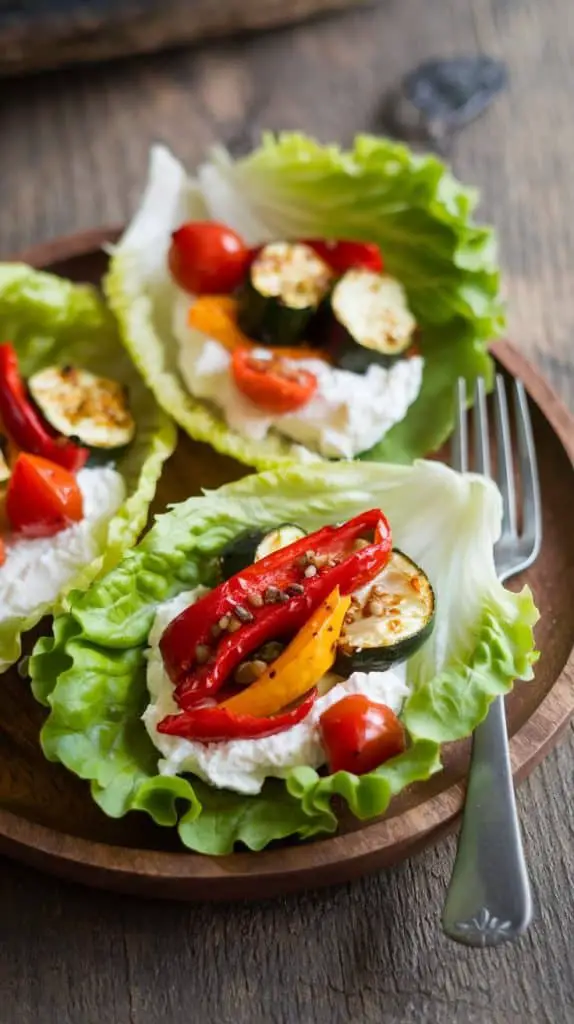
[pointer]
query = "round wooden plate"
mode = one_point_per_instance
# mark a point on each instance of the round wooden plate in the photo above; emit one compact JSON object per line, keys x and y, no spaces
{"x":48,"y":819}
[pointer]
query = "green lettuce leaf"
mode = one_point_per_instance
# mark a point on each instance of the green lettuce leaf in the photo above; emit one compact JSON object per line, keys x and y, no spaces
{"x":293,"y":187}
{"x":91,"y":671}
{"x":48,"y":320}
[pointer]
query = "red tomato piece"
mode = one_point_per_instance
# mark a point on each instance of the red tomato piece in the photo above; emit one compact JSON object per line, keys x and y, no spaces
{"x":359,"y":734}
{"x":2,"y":552}
{"x":207,"y":258}
{"x":346,"y":255}
{"x":42,"y":497}
{"x":270,"y":383}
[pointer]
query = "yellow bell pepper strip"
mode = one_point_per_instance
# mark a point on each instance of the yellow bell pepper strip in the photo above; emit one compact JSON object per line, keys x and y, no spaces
{"x":308,"y":657}
{"x":253,"y":713}
{"x":216,"y":316}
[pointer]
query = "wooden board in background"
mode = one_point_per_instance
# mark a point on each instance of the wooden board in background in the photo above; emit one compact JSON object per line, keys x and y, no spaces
{"x":41,"y":34}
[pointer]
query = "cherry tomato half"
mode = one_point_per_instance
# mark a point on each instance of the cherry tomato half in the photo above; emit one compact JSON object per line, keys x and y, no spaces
{"x":270,"y":383}
{"x":359,"y":734}
{"x":207,"y":258}
{"x":42,"y":498}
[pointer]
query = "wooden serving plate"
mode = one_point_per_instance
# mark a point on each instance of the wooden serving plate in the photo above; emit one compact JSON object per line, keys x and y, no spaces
{"x":48,"y":819}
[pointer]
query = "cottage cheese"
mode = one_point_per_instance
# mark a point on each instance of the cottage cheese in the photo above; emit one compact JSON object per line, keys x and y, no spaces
{"x":35,"y":571}
{"x":243,"y":765}
{"x":348,"y":414}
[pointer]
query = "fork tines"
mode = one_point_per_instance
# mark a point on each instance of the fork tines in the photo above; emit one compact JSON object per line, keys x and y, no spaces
{"x":514,"y":548}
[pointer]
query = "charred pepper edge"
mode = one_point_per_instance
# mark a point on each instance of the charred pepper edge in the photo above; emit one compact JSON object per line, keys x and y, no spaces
{"x":213,"y":724}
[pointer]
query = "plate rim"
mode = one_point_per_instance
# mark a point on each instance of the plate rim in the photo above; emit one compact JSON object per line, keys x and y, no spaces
{"x":323,"y":861}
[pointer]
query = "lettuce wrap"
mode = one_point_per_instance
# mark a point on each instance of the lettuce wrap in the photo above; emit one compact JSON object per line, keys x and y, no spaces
{"x":293,"y":187}
{"x":50,"y":320}
{"x":91,"y":673}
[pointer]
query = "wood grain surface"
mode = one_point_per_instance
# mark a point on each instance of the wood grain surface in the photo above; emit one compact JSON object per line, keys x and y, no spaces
{"x":74,"y":147}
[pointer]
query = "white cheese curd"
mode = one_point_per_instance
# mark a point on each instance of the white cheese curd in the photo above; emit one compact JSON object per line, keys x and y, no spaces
{"x":36,"y":569}
{"x":243,"y":765}
{"x":348,"y":414}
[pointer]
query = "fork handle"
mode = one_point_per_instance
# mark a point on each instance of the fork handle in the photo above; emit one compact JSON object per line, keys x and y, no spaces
{"x":488,"y":899}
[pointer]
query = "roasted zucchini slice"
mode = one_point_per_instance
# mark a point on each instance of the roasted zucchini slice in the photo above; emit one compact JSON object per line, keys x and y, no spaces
{"x":371,"y":321}
{"x":286,"y":285}
{"x":4,"y":467}
{"x":251,"y":545}
{"x":77,"y":404}
{"x":389,"y":621}
{"x":278,"y":538}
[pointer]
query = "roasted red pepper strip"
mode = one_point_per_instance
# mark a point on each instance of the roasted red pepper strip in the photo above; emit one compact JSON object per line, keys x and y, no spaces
{"x":217,"y":723}
{"x":195,"y":631}
{"x":347,"y":255}
{"x":23,"y":424}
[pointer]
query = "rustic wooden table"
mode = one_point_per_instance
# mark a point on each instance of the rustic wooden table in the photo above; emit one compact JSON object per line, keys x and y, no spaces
{"x":74,"y":148}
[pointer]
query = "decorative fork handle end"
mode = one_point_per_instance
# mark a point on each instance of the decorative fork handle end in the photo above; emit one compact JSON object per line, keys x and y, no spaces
{"x":484,"y":929}
{"x":488,"y":900}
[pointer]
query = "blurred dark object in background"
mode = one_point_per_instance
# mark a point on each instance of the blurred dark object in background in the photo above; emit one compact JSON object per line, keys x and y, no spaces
{"x":439,"y":97}
{"x":40,"y":34}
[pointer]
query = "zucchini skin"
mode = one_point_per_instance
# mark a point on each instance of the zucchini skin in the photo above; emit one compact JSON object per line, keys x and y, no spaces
{"x":268,"y":320}
{"x":238,"y":553}
{"x":349,"y":354}
{"x":379,"y":659}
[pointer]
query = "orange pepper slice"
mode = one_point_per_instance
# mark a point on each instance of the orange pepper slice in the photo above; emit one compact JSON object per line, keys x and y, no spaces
{"x":216,"y":315}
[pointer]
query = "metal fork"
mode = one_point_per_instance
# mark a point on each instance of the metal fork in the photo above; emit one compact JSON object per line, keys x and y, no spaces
{"x":488,"y":899}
